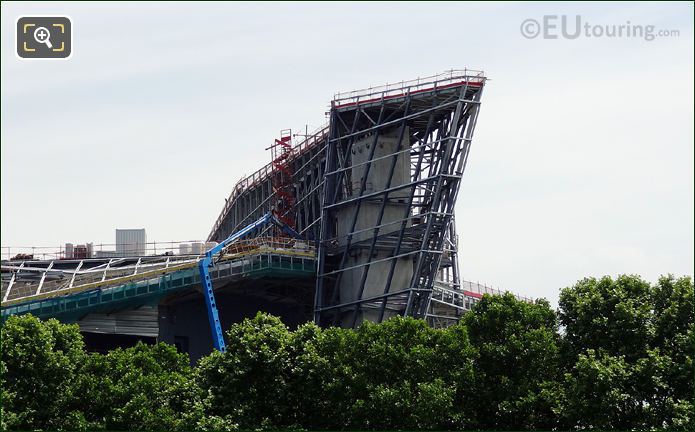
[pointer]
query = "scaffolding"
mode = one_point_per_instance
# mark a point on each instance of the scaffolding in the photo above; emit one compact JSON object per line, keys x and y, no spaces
{"x":253,"y":195}
{"x":283,"y":197}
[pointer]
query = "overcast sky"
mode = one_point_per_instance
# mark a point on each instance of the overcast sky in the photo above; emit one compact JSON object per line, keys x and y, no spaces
{"x":581,"y":164}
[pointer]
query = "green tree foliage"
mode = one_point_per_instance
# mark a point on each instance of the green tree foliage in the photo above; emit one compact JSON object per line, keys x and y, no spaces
{"x":607,"y":314}
{"x":248,"y":384}
{"x":49,"y":382}
{"x":674,"y":330}
{"x":399,"y":374}
{"x":140,"y":388}
{"x":40,"y":365}
{"x":618,"y":354}
{"x":516,"y":364}
{"x":628,"y":354}
{"x":387,"y":373}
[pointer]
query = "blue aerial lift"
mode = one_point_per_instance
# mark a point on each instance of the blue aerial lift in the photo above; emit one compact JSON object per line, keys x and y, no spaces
{"x":206,"y":262}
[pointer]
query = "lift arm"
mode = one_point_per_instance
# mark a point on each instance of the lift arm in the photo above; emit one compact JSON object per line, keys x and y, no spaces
{"x":206,"y":262}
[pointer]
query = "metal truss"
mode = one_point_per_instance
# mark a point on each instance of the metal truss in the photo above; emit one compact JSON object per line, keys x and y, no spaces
{"x":383,"y":232}
{"x":253,"y":196}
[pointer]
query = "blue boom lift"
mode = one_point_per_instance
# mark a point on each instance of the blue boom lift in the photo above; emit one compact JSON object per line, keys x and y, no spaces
{"x":206,"y":262}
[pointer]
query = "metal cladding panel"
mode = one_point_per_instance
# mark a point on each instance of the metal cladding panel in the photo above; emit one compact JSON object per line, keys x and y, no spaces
{"x":142,"y":321}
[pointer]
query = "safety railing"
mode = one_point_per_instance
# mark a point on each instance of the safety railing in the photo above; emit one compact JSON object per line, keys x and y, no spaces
{"x":267,"y":261}
{"x":468,"y":289}
{"x":275,"y":243}
{"x":451,"y":77}
{"x":27,"y":280}
{"x":481,"y":289}
{"x":103,"y":250}
{"x":263,"y":263}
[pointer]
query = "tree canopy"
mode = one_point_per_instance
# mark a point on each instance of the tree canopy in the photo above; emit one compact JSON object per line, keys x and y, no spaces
{"x":628,"y":353}
{"x":617,"y":354}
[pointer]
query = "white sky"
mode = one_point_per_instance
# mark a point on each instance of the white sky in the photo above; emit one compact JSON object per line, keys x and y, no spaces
{"x":581,"y":165}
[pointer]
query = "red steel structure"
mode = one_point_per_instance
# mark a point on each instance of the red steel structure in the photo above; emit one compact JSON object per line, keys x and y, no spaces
{"x":283,"y":199}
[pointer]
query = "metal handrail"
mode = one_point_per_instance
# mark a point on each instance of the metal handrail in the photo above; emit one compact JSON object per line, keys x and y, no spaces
{"x":475,"y":288}
{"x":448,"y":77}
{"x":105,"y":277}
{"x":59,"y":253}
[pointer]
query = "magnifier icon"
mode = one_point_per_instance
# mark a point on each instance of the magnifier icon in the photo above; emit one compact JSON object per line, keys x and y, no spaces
{"x":42,"y":35}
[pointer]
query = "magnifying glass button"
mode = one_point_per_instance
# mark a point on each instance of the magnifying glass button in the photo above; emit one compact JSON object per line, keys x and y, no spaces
{"x":42,"y":35}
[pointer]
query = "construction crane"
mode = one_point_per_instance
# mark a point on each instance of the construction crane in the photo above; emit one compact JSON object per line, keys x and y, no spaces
{"x":206,"y":262}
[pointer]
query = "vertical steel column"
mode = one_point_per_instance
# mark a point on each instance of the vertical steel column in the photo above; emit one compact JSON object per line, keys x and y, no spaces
{"x":325,"y":230}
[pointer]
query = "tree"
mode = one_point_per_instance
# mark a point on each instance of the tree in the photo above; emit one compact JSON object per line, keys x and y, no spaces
{"x":674,"y":337}
{"x":608,"y":379}
{"x":323,"y":381}
{"x":628,"y":354}
{"x":611,"y":315}
{"x":8,"y":418}
{"x":247,"y":384}
{"x":400,"y":374}
{"x":397,"y":365}
{"x":516,"y":365}
{"x":41,"y":362}
{"x":145,"y":387}
{"x":624,"y":360}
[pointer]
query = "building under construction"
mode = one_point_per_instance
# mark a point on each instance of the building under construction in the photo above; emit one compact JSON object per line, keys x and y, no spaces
{"x":371,"y":195}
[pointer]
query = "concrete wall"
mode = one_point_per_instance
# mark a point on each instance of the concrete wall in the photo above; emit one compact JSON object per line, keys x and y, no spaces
{"x":367,"y":217}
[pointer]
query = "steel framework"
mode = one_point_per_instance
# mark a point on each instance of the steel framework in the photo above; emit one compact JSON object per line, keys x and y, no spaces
{"x":383,"y":232}
{"x":374,"y":190}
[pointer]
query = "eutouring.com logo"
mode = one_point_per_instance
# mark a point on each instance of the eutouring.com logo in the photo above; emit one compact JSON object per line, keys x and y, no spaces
{"x":574,"y":27}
